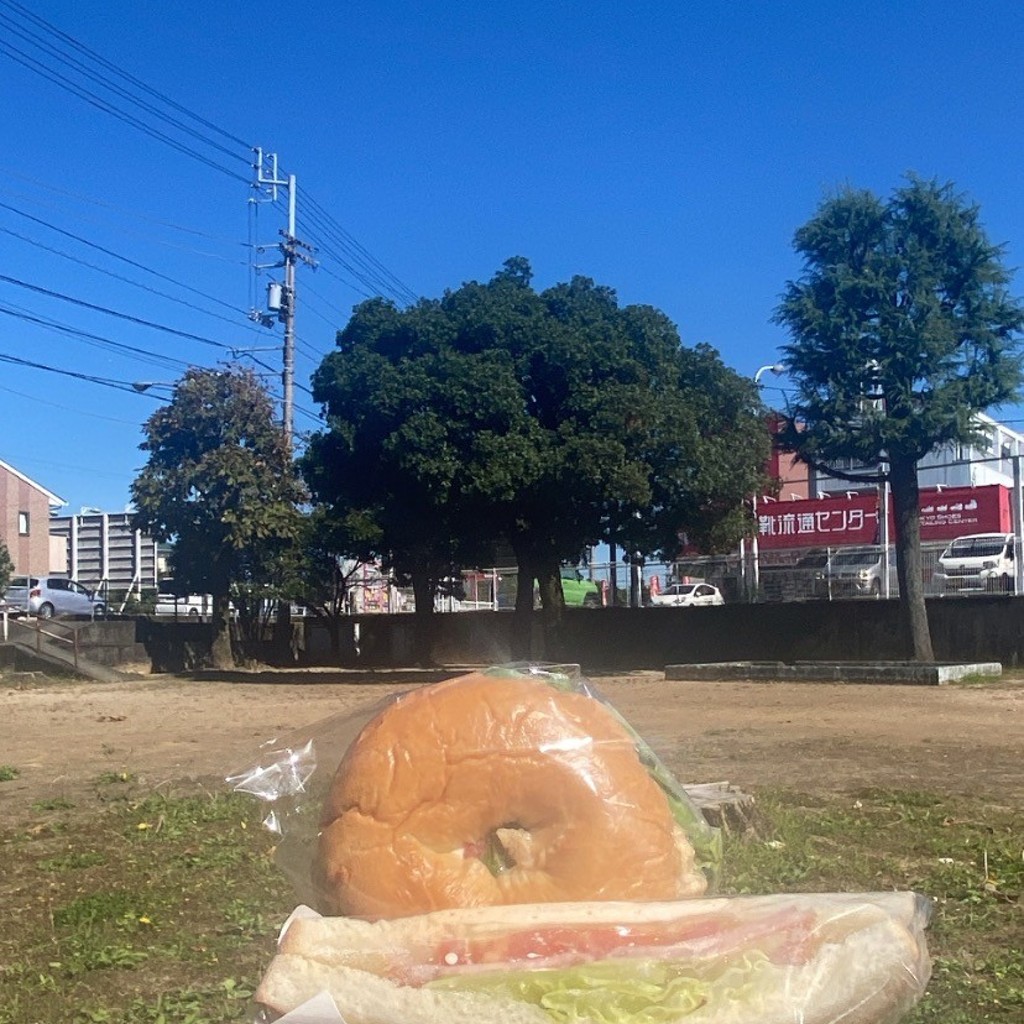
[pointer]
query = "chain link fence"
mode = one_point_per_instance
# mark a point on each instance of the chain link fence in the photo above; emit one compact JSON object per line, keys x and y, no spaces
{"x":797,"y":574}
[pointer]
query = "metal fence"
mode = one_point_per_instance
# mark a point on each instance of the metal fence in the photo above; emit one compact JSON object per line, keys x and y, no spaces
{"x":798,"y":574}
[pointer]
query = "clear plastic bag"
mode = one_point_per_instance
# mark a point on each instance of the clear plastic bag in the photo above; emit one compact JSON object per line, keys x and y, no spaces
{"x":295,"y":777}
{"x":775,"y":959}
{"x":780,"y":959}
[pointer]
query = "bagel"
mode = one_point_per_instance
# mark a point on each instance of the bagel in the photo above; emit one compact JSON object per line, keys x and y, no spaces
{"x":488,"y":790}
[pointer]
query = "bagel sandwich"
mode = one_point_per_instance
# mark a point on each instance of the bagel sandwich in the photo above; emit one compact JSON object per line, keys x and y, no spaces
{"x":779,"y":959}
{"x":502,"y":789}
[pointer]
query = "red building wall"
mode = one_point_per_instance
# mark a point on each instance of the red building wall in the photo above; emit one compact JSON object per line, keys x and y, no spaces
{"x":31,"y":552}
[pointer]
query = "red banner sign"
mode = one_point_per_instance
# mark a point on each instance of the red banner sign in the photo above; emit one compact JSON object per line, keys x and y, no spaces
{"x":817,"y":522}
{"x":831,"y":522}
{"x":954,"y":511}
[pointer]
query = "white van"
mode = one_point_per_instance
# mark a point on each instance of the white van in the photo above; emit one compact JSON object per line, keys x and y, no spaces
{"x":170,"y":601}
{"x":978,"y":563}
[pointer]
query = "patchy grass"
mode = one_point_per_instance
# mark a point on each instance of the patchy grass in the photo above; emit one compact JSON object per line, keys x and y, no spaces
{"x":8,"y":773}
{"x":967,"y":857}
{"x":140,"y":910}
{"x":146,"y":909}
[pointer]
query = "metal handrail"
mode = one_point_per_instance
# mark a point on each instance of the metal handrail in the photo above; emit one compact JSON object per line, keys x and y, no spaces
{"x":40,"y":632}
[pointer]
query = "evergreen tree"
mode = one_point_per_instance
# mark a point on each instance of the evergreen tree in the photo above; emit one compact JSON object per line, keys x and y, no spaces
{"x":902,"y":329}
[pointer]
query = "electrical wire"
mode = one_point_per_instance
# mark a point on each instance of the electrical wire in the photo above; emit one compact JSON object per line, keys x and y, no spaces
{"x":357,"y":260}
{"x":120,"y":385}
{"x":36,"y":400}
{"x":138,"y":83}
{"x":386,"y":280}
{"x":153,"y":239}
{"x":69,"y":62}
{"x":121,"y":277}
{"x":337,"y":243}
{"x":188,"y":335}
{"x":118,"y":256}
{"x":141,"y":354}
{"x":91,"y":98}
{"x":7,"y":173}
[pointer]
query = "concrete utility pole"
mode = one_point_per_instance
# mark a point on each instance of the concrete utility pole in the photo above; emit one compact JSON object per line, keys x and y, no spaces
{"x":281,"y":297}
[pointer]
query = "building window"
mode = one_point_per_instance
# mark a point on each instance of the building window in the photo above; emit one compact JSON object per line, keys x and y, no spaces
{"x":23,"y":524}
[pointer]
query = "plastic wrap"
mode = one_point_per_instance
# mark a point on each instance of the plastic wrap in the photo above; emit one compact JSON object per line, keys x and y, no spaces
{"x":463,"y":765}
{"x":523,"y":773}
{"x":783,"y":959}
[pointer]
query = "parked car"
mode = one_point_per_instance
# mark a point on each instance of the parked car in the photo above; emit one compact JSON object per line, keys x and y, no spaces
{"x":47,"y":596}
{"x":688,"y":595}
{"x":977,"y":563}
{"x":841,"y":572}
{"x":170,"y":600}
{"x":856,"y":573}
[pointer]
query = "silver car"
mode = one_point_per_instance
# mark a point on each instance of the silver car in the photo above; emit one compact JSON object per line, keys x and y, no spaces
{"x":47,"y":596}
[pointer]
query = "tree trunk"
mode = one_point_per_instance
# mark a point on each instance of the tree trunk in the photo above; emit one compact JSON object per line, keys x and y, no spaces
{"x":424,"y":591}
{"x":522,"y":617}
{"x":221,"y":656}
{"x":552,"y":600}
{"x":334,"y":635}
{"x":282,"y":632}
{"x":907,"y":515}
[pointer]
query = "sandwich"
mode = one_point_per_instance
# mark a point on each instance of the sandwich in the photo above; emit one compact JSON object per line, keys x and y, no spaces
{"x":779,"y":959}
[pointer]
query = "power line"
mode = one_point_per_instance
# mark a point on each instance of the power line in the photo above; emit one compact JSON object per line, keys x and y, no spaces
{"x":67,"y":60}
{"x":115,"y":313}
{"x":143,"y":355}
{"x":376,"y":270}
{"x":155,"y":239}
{"x":120,"y":385}
{"x":338,"y":244}
{"x":138,"y":83}
{"x":32,"y":64}
{"x":63,"y":406}
{"x":121,"y":277}
{"x":81,"y":197}
{"x":52,"y":44}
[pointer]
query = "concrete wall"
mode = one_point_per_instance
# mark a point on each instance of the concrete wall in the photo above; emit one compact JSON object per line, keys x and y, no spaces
{"x":963,"y":630}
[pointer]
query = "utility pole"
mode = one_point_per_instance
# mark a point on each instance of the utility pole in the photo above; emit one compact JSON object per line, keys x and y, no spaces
{"x":281,"y":296}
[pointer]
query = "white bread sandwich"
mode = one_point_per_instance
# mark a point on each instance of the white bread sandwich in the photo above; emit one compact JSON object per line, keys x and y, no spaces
{"x":781,"y":959}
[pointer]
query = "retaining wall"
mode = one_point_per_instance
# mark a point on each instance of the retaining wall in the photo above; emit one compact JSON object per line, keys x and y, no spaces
{"x":963,"y":629}
{"x":976,"y":629}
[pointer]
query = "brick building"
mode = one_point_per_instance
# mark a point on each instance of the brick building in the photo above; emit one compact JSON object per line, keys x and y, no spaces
{"x":25,"y":510}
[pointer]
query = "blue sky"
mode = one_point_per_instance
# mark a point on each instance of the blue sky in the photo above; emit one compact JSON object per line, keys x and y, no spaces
{"x":666,"y":150}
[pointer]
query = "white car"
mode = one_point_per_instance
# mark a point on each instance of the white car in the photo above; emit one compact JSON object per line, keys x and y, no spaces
{"x":688,"y":594}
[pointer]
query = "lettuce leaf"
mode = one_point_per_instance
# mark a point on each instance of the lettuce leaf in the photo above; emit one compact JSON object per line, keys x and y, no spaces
{"x":615,"y":991}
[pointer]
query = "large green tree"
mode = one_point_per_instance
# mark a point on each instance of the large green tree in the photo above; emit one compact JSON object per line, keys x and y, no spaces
{"x":219,"y":483}
{"x":902,"y":329}
{"x":548,"y":420}
{"x":412,"y":424}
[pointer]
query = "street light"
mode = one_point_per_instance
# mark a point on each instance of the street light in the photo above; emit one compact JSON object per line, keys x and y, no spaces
{"x":142,"y":386}
{"x":776,"y":368}
{"x":755,"y":560}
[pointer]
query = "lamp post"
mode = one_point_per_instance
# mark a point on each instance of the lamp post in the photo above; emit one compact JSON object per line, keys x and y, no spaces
{"x":776,"y":368}
{"x":755,"y":560}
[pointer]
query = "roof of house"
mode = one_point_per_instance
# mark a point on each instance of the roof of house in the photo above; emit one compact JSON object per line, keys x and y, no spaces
{"x":52,"y":498}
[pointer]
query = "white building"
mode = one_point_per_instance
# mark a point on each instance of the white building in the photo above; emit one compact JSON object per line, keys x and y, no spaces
{"x":103,"y":548}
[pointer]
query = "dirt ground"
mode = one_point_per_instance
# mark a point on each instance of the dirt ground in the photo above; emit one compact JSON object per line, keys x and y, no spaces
{"x":62,"y":736}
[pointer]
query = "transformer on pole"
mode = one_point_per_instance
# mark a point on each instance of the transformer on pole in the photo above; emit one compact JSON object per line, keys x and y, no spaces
{"x":281,"y":295}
